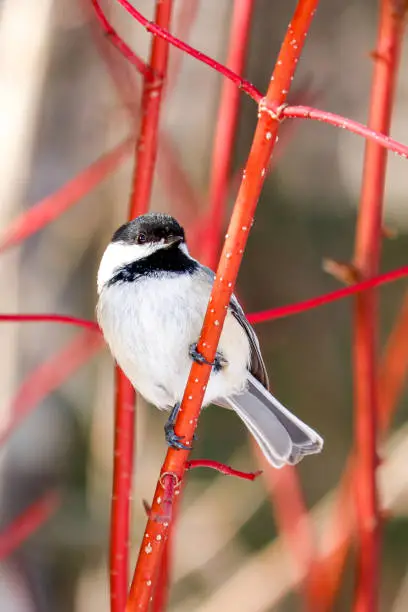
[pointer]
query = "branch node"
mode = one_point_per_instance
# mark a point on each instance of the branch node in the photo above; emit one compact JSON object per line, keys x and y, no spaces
{"x":163,"y":477}
{"x":389,"y":232}
{"x":276,"y":113}
{"x":346,"y":273}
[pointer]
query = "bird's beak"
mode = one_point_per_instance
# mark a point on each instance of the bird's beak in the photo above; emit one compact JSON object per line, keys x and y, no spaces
{"x":172,"y":241}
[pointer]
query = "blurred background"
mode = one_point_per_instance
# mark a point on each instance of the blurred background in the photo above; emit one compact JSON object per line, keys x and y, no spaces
{"x":60,"y":110}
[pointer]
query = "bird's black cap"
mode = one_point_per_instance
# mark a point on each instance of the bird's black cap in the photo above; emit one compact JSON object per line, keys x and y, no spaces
{"x":151,"y":227}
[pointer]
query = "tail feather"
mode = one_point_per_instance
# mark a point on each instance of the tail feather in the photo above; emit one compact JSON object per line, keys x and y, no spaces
{"x":283,"y":438}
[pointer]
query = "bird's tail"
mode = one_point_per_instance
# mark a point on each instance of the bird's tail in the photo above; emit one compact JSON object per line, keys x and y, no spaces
{"x":283,"y":438}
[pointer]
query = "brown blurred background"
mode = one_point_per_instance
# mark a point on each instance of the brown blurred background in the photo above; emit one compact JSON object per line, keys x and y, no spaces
{"x":59,"y":111}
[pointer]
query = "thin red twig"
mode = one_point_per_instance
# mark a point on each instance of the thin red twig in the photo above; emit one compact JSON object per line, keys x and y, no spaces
{"x":222,"y":468}
{"x":53,"y":206}
{"x":393,"y":368}
{"x":264,"y":139}
{"x":28,"y":522}
{"x":256,"y":317}
{"x":303,"y":112}
{"x":366,"y":261}
{"x":49,"y":318}
{"x":369,"y":133}
{"x":291,"y":309}
{"x":153,"y":28}
{"x":119,"y":43}
{"x":49,"y":375}
{"x":225,"y":132}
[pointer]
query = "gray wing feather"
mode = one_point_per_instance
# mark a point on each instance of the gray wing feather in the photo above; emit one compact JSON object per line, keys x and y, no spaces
{"x":257,"y":366}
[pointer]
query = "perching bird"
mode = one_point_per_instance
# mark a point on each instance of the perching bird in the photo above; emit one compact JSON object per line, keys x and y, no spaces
{"x":152,"y":299}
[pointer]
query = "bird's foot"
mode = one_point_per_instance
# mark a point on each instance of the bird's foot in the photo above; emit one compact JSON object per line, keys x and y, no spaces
{"x":172,"y":439}
{"x":218,"y":363}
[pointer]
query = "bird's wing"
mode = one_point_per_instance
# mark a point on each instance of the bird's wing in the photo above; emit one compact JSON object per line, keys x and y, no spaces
{"x":257,"y":366}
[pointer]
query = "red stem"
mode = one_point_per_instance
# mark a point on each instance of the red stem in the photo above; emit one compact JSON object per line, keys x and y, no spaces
{"x":28,"y":523}
{"x":145,"y":158}
{"x":303,"y":112}
{"x":119,"y":43}
{"x":366,"y":259}
{"x":53,"y":206}
{"x":393,"y":368}
{"x":146,"y":148}
{"x":391,"y":380}
{"x":256,"y":317}
{"x":163,"y":33}
{"x":49,"y":318}
{"x":368,"y":132}
{"x":293,"y":523}
{"x":49,"y":376}
{"x":121,"y":493}
{"x":222,"y":468}
{"x":264,"y":139}
{"x":184,"y":199}
{"x":225,"y":131}
{"x":290,"y":309}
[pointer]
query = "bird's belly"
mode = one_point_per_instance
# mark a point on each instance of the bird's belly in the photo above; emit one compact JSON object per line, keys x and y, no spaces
{"x":150,"y":326}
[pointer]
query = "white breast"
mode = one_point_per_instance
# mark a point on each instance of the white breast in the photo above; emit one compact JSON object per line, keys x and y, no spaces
{"x":151,"y":323}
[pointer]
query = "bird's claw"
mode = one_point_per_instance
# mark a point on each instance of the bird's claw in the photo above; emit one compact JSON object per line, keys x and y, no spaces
{"x":198,"y":357}
{"x":218,"y":363}
{"x":172,"y":439}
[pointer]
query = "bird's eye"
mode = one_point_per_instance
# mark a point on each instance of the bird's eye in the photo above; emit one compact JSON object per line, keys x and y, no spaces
{"x":141,"y":238}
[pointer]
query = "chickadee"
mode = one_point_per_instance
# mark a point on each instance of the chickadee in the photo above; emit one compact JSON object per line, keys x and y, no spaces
{"x":152,"y":300}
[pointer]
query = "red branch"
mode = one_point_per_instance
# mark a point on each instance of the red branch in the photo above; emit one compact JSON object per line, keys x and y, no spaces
{"x":53,"y":206}
{"x":49,"y":375}
{"x":391,"y":380}
{"x":293,"y":522}
{"x":146,"y":148}
{"x":303,"y":112}
{"x":120,"y":44}
{"x":264,"y":139}
{"x":291,"y":309}
{"x":393,"y":369}
{"x":369,"y":133}
{"x":222,"y":468}
{"x":225,"y":131}
{"x":163,"y":33}
{"x":256,"y":317}
{"x":49,"y":318}
{"x":28,"y":523}
{"x":121,"y":490}
{"x":145,"y":158}
{"x":366,"y":261}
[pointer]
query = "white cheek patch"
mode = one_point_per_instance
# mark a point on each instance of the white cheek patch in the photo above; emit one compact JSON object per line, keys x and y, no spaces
{"x":117,"y":255}
{"x":183,"y":248}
